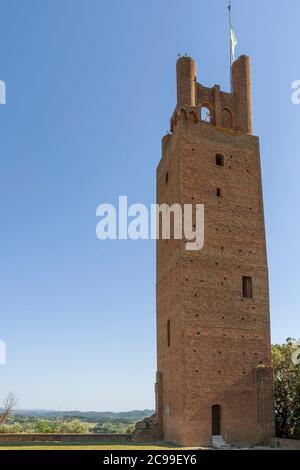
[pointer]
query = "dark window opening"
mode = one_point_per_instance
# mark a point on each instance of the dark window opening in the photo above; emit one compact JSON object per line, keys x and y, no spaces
{"x":169,"y":333}
{"x":219,"y":192}
{"x":167,"y":177}
{"x":247,"y":287}
{"x":216,"y":420}
{"x":219,"y":159}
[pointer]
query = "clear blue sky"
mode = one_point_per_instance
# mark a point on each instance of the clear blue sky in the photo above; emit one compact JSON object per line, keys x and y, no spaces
{"x":90,"y":90}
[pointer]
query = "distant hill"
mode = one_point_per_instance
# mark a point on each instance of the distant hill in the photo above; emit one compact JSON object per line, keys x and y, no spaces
{"x":92,"y":416}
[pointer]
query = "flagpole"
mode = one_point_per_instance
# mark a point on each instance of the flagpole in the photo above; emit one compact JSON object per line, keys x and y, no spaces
{"x":230,"y":45}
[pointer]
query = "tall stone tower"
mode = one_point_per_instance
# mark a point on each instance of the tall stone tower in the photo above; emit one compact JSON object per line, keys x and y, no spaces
{"x":213,"y":328}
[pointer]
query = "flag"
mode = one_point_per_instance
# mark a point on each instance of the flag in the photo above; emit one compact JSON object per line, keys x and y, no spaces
{"x":233,"y":43}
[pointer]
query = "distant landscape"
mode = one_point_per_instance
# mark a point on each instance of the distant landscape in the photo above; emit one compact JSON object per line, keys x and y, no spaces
{"x":52,"y":421}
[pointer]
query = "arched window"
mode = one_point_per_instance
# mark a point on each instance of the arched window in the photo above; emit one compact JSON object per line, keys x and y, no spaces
{"x":226,"y":118}
{"x":205,"y":114}
{"x":193,"y":116}
{"x":183,"y":115}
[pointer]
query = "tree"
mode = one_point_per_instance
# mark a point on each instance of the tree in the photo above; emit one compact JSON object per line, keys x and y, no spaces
{"x":286,"y":391}
{"x":43,"y":426}
{"x":8,"y":407}
{"x":130,"y":429}
{"x":75,"y":426}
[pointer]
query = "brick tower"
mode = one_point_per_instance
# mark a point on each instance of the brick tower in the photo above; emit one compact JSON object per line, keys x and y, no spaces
{"x":213,"y":329}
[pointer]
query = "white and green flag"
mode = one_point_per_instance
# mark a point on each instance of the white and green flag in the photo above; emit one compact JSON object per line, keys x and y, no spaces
{"x":233,"y":42}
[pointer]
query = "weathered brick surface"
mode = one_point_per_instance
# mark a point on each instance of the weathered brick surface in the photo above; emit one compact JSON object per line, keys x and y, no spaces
{"x":218,"y":338}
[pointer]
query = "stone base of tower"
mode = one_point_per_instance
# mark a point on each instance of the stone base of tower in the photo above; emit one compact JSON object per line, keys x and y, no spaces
{"x":148,"y":430}
{"x":245,"y":418}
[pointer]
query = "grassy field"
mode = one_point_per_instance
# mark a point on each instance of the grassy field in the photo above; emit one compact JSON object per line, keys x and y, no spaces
{"x":85,"y":446}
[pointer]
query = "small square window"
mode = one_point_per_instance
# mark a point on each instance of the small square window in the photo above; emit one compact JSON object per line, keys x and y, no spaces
{"x":219,"y":159}
{"x":219,"y":192}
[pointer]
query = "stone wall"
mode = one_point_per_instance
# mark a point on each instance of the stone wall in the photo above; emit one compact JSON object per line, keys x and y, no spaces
{"x":47,"y":437}
{"x":291,"y":444}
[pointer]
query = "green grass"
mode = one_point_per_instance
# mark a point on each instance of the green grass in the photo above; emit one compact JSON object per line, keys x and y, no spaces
{"x":85,"y":446}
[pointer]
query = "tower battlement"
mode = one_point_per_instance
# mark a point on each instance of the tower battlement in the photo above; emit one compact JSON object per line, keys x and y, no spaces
{"x":227,"y":110}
